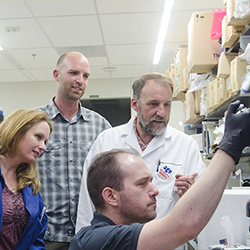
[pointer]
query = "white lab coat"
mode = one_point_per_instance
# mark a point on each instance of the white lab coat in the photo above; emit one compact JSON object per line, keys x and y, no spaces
{"x":177,"y":152}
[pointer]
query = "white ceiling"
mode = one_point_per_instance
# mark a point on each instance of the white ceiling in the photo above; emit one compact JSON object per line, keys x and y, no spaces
{"x":111,"y":33}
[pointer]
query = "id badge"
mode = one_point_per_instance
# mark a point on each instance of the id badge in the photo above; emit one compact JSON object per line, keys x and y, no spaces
{"x":164,"y":170}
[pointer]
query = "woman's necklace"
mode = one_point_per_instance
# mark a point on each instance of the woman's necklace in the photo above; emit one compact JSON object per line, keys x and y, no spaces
{"x":9,"y":184}
{"x":13,"y":189}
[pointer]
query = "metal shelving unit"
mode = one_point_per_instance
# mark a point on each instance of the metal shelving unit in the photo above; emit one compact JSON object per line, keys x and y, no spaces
{"x":215,"y":114}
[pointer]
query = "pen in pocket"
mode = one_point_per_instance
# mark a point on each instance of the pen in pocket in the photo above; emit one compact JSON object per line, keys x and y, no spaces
{"x":158,"y":165}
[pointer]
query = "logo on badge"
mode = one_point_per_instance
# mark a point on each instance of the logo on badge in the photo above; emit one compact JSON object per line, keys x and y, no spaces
{"x":164,"y":172}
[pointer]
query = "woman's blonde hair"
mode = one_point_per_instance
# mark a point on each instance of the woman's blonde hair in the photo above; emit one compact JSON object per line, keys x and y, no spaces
{"x":12,"y":132}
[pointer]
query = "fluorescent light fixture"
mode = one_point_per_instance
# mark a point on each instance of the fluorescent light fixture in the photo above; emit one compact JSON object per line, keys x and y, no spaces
{"x":163,"y":30}
{"x":109,"y":69}
{"x":1,"y":48}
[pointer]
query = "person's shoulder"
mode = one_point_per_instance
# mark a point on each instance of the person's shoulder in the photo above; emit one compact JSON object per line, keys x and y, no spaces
{"x":119,"y":130}
{"x":94,"y":120}
{"x":89,"y":114}
{"x":49,"y":106}
{"x":90,"y":237}
{"x":173,"y":131}
{"x":178,"y":135}
{"x":43,"y":108}
{"x":177,"y":132}
{"x":98,"y":235}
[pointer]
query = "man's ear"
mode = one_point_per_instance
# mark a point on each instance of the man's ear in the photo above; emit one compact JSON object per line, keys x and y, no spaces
{"x":55,"y":74}
{"x":134,"y":104}
{"x":110,"y":196}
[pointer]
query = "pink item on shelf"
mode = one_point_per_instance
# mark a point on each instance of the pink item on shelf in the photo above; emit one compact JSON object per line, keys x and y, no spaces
{"x":216,"y":32}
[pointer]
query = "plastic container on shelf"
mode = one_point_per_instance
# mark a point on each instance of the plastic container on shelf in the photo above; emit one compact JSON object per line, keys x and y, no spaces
{"x":244,"y":41}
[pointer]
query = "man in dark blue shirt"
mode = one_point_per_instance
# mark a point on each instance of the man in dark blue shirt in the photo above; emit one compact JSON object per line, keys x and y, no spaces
{"x":120,"y":186}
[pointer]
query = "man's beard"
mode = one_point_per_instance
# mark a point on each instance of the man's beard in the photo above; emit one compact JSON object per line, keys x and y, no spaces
{"x":150,"y":127}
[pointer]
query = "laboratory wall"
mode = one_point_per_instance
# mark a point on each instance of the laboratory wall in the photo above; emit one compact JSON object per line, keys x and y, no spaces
{"x":33,"y":94}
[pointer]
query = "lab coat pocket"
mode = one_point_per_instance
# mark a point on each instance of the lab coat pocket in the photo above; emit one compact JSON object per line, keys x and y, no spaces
{"x":164,"y":178}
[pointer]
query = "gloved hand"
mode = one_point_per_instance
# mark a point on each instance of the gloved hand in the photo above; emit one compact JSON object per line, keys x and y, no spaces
{"x":237,"y":131}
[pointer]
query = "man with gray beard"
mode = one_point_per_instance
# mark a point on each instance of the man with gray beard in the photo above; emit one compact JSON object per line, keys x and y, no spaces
{"x":172,"y":157}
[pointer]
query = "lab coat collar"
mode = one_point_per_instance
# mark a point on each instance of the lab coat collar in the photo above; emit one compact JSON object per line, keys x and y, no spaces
{"x":159,"y":140}
{"x":128,"y":133}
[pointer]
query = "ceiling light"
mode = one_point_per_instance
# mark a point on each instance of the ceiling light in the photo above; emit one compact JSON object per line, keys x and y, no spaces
{"x":163,"y":30}
{"x":109,"y":69}
{"x":1,"y":48}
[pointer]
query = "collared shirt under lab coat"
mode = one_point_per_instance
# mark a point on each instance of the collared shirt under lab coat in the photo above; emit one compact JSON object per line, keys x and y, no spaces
{"x":177,"y":152}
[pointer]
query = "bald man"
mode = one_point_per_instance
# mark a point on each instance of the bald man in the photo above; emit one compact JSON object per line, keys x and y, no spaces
{"x":60,"y":166}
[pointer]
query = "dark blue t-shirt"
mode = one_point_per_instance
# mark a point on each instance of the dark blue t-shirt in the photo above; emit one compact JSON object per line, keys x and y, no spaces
{"x":104,"y":234}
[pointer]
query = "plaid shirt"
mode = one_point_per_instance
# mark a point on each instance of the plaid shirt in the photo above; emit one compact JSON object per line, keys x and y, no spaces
{"x":61,"y":165}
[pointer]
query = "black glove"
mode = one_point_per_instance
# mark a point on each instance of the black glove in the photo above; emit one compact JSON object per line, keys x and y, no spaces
{"x":237,"y":131}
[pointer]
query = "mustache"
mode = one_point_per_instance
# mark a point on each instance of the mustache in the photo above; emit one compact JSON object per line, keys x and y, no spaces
{"x":158,"y":119}
{"x":153,"y":201}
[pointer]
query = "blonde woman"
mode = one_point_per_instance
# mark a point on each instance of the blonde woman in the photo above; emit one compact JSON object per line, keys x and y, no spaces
{"x":23,"y":219}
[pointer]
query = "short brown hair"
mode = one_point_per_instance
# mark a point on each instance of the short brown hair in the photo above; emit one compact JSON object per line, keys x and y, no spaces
{"x":159,"y":78}
{"x":105,"y":171}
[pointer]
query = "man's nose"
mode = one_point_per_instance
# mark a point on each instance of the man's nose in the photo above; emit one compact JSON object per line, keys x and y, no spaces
{"x":154,"y":191}
{"x":160,"y":111}
{"x":79,"y":78}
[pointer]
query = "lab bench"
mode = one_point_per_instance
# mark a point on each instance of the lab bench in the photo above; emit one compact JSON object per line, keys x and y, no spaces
{"x":227,"y":223}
